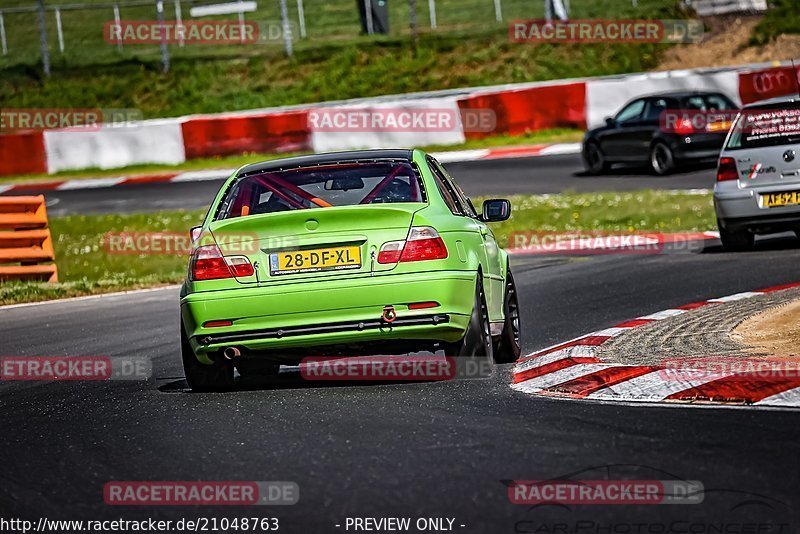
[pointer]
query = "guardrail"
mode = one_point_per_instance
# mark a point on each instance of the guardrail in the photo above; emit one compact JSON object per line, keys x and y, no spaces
{"x":26,"y":246}
{"x":706,"y":8}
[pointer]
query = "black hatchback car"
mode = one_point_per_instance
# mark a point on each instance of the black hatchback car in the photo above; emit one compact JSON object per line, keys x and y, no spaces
{"x":662,"y":131}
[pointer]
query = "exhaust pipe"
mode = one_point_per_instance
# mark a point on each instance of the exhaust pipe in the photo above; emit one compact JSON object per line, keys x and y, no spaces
{"x":231,"y":353}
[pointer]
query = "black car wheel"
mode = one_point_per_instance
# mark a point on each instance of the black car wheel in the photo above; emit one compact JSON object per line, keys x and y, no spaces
{"x":477,"y":341}
{"x":662,"y":160}
{"x":594,"y":159}
{"x":215,"y":377}
{"x":736,"y":241}
{"x":508,"y":349}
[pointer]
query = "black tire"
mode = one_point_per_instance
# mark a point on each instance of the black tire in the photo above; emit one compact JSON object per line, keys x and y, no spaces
{"x":594,"y":159}
{"x":740,"y":241}
{"x":662,"y":161}
{"x":201,"y":377}
{"x":507,"y":349}
{"x":477,"y":341}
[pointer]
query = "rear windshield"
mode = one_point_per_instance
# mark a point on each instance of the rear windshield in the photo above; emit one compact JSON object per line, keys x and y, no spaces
{"x":765,"y":127}
{"x":322,"y":187}
{"x":710,"y":102}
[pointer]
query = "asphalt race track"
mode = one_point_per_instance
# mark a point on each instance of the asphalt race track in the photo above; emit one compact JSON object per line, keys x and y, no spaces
{"x":535,"y":175}
{"x":412,"y":450}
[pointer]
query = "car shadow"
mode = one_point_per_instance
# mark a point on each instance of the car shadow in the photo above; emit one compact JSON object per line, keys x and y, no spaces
{"x":291,"y":378}
{"x":768,"y":243}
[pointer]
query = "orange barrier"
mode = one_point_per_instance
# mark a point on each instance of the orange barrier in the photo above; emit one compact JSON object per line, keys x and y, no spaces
{"x":22,"y":153}
{"x":25,"y":241}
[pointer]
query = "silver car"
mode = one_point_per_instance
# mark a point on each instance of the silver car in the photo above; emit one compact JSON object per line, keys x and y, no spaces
{"x":758,"y":175}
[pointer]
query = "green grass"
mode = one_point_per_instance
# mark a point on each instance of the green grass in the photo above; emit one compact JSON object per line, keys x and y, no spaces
{"x":329,"y":23}
{"x":86,"y":268}
{"x":351,"y":71}
{"x":555,"y":135}
{"x":469,"y":49}
{"x":647,"y":210}
{"x":783,"y":17}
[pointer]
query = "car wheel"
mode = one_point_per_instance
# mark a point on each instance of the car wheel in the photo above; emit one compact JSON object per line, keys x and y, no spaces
{"x":201,"y":377}
{"x":477,"y":341}
{"x":662,"y":160}
{"x":507,"y":349}
{"x":594,"y":159}
{"x":736,"y":241}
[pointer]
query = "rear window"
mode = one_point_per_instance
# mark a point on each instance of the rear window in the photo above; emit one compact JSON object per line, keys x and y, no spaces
{"x":322,"y":187}
{"x":711,"y":102}
{"x":765,"y":127}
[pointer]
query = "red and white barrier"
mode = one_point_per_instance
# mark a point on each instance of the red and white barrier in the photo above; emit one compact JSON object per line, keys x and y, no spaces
{"x":572,"y":370}
{"x":231,"y":134}
{"x":22,"y":153}
{"x":519,"y":108}
{"x":155,"y":141}
{"x":533,"y":108}
{"x":449,"y":132}
{"x":605,"y":97}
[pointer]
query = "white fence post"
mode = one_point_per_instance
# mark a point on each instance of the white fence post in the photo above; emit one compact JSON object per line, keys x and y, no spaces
{"x":301,"y":17}
{"x":119,"y":26}
{"x":432,"y":11}
{"x":3,"y":35}
{"x":370,"y":23}
{"x":241,"y":21}
{"x":59,"y":30}
{"x":287,"y":29}
{"x":179,"y":21}
{"x":498,"y":11}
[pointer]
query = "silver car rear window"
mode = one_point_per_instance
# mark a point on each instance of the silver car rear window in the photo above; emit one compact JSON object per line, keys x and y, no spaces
{"x":765,"y":127}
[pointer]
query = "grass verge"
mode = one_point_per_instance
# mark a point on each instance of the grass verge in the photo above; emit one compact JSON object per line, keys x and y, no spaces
{"x":554,"y":135}
{"x":85,"y":267}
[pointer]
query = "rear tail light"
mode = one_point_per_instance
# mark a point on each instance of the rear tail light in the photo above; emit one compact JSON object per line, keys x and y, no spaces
{"x":390,"y":252}
{"x":208,"y":264}
{"x":685,"y":127}
{"x":423,"y":243}
{"x":423,"y":305}
{"x":240,"y":266}
{"x":727,"y":170}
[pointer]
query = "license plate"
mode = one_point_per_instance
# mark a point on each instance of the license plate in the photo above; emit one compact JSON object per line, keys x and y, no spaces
{"x":323,"y":259}
{"x":786,"y":198}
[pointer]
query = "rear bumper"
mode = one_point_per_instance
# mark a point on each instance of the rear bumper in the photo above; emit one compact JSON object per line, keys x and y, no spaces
{"x":738,"y":209}
{"x":329,"y":313}
{"x":697,"y":147}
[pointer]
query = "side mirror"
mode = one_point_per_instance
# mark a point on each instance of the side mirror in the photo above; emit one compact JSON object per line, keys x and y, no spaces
{"x":195,"y":233}
{"x":610,"y":121}
{"x":496,"y":210}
